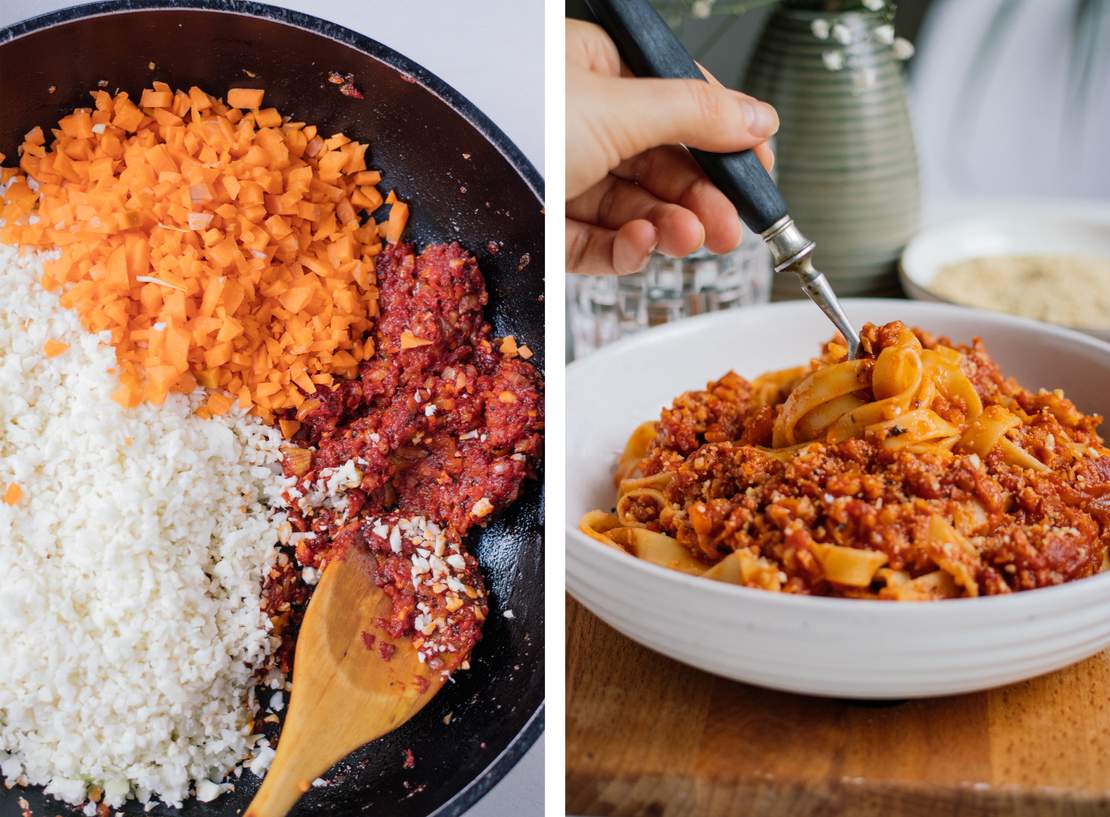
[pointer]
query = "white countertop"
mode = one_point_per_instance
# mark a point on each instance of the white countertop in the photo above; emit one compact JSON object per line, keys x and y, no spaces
{"x":492,"y":53}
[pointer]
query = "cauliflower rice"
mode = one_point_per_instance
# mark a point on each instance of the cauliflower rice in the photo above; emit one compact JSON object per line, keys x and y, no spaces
{"x":131,"y":569}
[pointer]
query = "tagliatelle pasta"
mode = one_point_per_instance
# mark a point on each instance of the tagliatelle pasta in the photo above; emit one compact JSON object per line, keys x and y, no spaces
{"x":917,"y":471}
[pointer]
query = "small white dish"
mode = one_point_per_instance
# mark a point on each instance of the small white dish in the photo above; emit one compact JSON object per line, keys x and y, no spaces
{"x":822,"y":646}
{"x":1005,"y":227}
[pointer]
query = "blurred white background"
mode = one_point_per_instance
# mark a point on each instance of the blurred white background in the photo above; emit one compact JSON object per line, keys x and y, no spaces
{"x":1012,"y":99}
{"x":492,"y":53}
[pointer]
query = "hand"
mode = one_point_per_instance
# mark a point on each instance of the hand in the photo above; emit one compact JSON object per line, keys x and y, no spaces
{"x":631,"y":186}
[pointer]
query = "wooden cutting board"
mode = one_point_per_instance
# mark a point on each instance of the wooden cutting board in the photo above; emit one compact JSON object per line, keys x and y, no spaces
{"x":649,"y":737}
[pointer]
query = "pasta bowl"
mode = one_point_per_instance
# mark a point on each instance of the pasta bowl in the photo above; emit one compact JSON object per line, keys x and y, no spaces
{"x":823,"y":646}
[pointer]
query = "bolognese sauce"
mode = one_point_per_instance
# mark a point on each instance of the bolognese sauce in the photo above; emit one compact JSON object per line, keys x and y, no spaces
{"x":919,"y":471}
{"x":437,"y":434}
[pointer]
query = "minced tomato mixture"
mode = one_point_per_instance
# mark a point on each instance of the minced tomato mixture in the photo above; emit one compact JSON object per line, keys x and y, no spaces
{"x":436,"y":434}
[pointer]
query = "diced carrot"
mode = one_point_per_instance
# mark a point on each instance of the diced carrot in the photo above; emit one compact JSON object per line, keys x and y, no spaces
{"x":278,"y":227}
{"x":12,"y":494}
{"x":199,"y":100}
{"x":156,"y":99}
{"x":297,"y":298}
{"x":268,"y":118}
{"x":411,"y":341}
{"x":117,"y":269}
{"x":305,"y":382}
{"x":218,"y":403}
{"x":245,"y":97}
{"x":218,"y":355}
{"x":218,"y":246}
{"x":395,"y":225}
{"x":129,"y":393}
{"x":176,"y":348}
{"x":224,"y":253}
{"x":345,"y":212}
{"x":331,"y":165}
{"x":508,"y":346}
{"x":525,"y":352}
{"x":245,"y":399}
{"x":159,"y":379}
{"x":229,"y":330}
{"x":289,"y":427}
{"x":53,"y":348}
{"x":127,"y":116}
{"x":369,"y":198}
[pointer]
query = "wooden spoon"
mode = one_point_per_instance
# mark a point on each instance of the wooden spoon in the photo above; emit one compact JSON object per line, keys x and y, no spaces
{"x":344,"y":693}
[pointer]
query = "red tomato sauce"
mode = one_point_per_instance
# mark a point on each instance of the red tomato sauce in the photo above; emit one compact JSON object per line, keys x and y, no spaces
{"x":439,"y":426}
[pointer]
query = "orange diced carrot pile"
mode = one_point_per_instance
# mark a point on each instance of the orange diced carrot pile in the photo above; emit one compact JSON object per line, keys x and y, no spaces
{"x":220,"y":247}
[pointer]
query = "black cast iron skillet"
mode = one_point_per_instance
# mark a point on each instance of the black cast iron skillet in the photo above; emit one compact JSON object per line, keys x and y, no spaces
{"x":465,"y":181}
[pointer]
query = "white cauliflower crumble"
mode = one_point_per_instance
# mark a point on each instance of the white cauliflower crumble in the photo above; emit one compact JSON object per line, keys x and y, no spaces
{"x":130,"y":570}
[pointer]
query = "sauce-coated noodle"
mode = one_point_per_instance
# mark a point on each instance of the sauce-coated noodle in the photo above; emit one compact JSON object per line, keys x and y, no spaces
{"x":915,"y":472}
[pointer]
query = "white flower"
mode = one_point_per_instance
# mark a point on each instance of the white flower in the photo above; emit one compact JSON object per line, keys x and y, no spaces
{"x":702,"y":8}
{"x":903,"y":48}
{"x":842,"y":34}
{"x":820,"y":28}
{"x":834,"y":60}
{"x":885,"y":34}
{"x":873,"y":5}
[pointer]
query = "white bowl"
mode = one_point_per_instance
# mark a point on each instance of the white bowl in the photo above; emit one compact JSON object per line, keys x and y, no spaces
{"x":1005,"y":227}
{"x":822,"y":646}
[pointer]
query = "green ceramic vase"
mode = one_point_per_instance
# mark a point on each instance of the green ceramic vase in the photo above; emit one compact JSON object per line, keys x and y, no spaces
{"x":845,"y":157}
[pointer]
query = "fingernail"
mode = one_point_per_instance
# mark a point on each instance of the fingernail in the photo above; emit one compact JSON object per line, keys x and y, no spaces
{"x":761,"y":118}
{"x":701,"y":241}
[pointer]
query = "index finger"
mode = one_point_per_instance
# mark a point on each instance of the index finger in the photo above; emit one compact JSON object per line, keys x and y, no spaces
{"x":671,"y":174}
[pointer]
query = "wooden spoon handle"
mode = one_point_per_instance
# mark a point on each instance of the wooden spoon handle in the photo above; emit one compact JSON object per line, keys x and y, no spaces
{"x":344,"y":694}
{"x":308,"y":753}
{"x":283,"y":786}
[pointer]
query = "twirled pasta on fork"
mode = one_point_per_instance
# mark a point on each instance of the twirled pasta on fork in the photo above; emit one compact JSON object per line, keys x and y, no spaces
{"x":917,"y":471}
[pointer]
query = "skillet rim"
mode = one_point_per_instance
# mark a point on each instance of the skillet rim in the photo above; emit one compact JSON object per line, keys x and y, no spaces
{"x":466,"y":797}
{"x":316,"y":25}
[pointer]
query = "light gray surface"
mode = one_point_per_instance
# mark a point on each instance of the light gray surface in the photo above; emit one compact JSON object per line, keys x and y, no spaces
{"x":978,"y":67}
{"x":492,"y":53}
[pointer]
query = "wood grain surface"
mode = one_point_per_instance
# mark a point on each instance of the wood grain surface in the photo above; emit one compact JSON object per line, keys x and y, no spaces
{"x":649,"y":737}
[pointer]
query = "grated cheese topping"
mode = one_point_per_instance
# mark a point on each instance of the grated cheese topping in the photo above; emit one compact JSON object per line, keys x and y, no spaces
{"x":131,"y":629}
{"x":1069,"y":290}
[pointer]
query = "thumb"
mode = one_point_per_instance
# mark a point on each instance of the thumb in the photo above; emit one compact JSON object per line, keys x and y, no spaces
{"x":647,"y":113}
